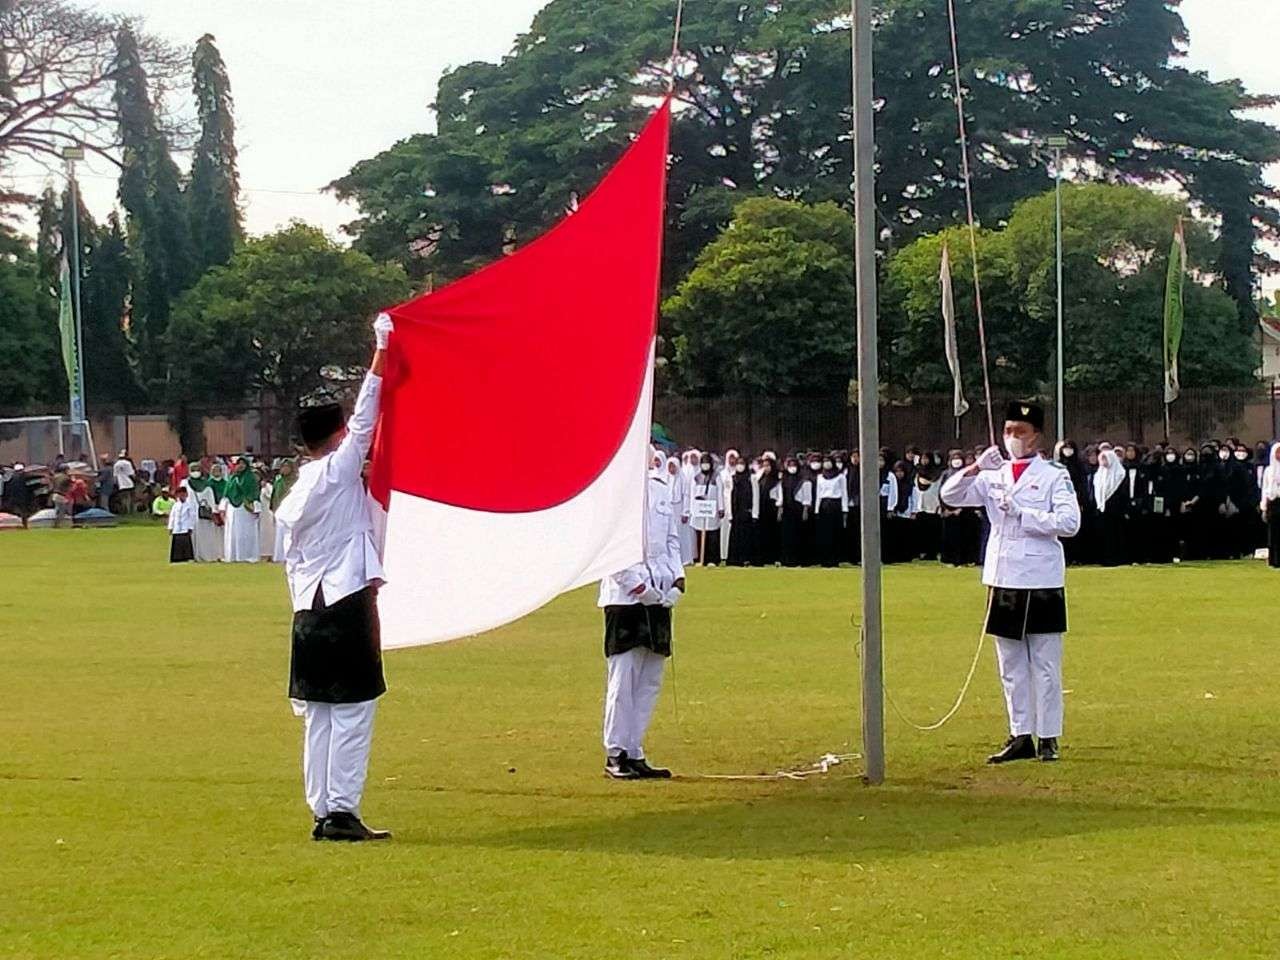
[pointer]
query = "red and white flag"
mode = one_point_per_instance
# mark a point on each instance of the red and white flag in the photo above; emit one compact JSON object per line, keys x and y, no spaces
{"x":512,"y":449}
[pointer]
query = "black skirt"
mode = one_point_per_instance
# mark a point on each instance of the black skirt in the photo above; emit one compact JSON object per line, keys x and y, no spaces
{"x":627,"y":626}
{"x":181,"y":549}
{"x":1016,"y":613}
{"x":337,"y":651}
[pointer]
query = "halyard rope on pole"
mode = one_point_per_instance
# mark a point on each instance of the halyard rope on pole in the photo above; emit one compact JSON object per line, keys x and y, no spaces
{"x":675,"y":46}
{"x":973,"y":230}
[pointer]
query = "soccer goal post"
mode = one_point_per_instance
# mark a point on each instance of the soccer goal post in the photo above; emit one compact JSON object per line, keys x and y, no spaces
{"x":39,"y":440}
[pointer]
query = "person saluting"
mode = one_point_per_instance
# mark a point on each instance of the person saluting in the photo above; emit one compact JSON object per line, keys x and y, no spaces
{"x":1031,"y":504}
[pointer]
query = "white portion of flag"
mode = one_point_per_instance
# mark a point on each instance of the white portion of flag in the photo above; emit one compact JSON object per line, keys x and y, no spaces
{"x":961,"y":405}
{"x":453,"y":572}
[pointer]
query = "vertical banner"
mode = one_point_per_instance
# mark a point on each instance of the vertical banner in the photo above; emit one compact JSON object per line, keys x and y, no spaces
{"x":70,"y":350}
{"x":961,"y":405}
{"x":1174,"y":313}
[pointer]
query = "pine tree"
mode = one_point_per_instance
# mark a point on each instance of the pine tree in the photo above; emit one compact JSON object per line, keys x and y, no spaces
{"x":213,"y":195}
{"x":151,"y":193}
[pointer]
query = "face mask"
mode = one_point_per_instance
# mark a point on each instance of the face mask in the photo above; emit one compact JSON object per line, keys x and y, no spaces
{"x":741,"y":468}
{"x":793,"y":470}
{"x":1068,"y":452}
{"x":1171,"y":458}
{"x":839,"y":464}
{"x":828,"y":465}
{"x":815,"y":466}
{"x":1242,"y":455}
{"x":915,"y":459}
{"x":957,"y":463}
{"x":706,"y":468}
{"x":1224,"y":455}
{"x":1018,"y":448}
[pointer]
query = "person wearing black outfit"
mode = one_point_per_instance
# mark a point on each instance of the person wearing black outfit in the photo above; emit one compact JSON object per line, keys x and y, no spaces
{"x":853,"y":522}
{"x":833,"y":505}
{"x":742,"y":502}
{"x":960,"y":528}
{"x":1068,"y":454}
{"x":1136,"y":489}
{"x":769,"y":499}
{"x":797,"y":500}
{"x":1164,"y":478}
{"x":1243,"y":527}
{"x":1111,"y":497}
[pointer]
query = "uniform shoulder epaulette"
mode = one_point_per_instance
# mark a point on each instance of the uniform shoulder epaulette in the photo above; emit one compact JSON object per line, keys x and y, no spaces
{"x":1056,"y":464}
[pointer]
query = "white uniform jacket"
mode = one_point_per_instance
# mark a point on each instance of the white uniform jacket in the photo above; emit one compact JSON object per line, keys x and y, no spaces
{"x":183,"y":516}
{"x":329,"y":533}
{"x":1023,"y":552}
{"x":662,"y":566}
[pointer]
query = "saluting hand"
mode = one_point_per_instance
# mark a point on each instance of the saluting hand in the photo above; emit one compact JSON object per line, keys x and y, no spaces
{"x":991,"y":459}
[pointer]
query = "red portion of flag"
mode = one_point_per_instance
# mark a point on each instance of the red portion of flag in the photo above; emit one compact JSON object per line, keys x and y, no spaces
{"x":511,"y":390}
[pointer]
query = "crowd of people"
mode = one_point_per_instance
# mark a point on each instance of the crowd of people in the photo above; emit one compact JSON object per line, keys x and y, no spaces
{"x":1218,"y":501}
{"x":233,"y":499}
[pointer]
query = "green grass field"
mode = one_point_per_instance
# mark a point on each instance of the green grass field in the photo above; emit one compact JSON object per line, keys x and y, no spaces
{"x":151,"y":800}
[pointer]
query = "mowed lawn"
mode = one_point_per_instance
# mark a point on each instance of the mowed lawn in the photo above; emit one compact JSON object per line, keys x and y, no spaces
{"x":151,"y":805}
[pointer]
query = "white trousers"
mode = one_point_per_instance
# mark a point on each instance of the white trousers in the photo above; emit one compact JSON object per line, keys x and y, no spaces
{"x":1031,"y":673}
{"x":633,"y":681}
{"x":335,"y":755}
{"x":726,"y":527}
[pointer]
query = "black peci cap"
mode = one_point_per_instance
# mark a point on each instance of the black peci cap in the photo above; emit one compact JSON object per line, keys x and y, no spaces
{"x":318,"y":424}
{"x":1024,"y":411}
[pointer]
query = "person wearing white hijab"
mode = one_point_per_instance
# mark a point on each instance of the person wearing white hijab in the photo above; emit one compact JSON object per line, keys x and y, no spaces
{"x":637,"y":604}
{"x":1112,"y":498}
{"x":688,"y":536}
{"x":1271,"y":505}
{"x":727,"y":473}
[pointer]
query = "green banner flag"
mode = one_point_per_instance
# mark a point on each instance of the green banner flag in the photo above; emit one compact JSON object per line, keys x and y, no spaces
{"x":1173,"y":313}
{"x":67,"y":329}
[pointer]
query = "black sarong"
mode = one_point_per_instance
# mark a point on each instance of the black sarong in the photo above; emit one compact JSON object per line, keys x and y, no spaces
{"x":181,"y":549}
{"x":1016,"y":613}
{"x":337,"y":651}
{"x":627,"y":626}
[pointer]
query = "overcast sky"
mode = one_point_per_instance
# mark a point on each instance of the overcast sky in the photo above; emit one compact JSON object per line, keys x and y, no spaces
{"x":319,"y":86}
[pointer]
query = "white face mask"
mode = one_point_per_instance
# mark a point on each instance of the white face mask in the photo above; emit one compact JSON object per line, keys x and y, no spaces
{"x":1224,"y":455}
{"x":1018,"y":448}
{"x":706,"y":468}
{"x":793,"y":470}
{"x":957,"y":463}
{"x":915,"y":459}
{"x":839,"y":464}
{"x":815,"y":466}
{"x":741,"y":468}
{"x":828,"y":465}
{"x":1242,"y":454}
{"x":1170,"y":458}
{"x":1068,"y":451}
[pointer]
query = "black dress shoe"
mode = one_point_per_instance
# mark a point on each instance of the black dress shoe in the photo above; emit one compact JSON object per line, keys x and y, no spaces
{"x":317,"y":832}
{"x":1049,"y":750}
{"x":347,"y":826}
{"x":1015,"y":748}
{"x":619,"y":768}
{"x":646,"y":772}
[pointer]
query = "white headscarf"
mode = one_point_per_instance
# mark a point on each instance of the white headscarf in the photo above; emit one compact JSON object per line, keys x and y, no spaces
{"x":1109,"y":476}
{"x":727,"y":471}
{"x":676,"y":479}
{"x":1271,"y":476}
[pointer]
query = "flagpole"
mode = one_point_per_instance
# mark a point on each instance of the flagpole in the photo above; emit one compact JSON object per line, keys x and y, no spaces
{"x":1058,"y":144}
{"x":868,"y":392}
{"x":79,"y":413}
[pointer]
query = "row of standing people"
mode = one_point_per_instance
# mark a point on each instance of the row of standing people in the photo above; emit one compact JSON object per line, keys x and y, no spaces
{"x":1139,"y":506}
{"x":229,"y":513}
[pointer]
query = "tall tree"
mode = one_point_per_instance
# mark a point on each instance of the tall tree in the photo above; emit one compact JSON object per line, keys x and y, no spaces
{"x":110,"y":378}
{"x":214,"y":192}
{"x":151,"y":192}
{"x":288,"y":315}
{"x":59,"y":74}
{"x":31,"y":375}
{"x":766,"y":310}
{"x":763,"y":90}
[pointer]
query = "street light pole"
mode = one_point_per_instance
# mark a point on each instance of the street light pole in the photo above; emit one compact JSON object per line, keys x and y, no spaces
{"x":1059,"y":144}
{"x":864,"y":154}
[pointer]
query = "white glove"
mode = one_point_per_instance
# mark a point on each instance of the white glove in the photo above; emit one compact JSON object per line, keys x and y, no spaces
{"x":991,"y":459}
{"x":671,"y":597}
{"x":651,"y":597}
{"x":1006,"y":504}
{"x":382,"y":329}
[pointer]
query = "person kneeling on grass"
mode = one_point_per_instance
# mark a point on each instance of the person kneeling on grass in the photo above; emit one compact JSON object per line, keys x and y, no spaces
{"x":637,"y":606}
{"x":182,"y":524}
{"x":1031,"y":503}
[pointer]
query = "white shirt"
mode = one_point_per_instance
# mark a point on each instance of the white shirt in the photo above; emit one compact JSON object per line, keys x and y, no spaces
{"x":123,"y":473}
{"x":662,"y":565}
{"x":833,"y":488}
{"x":183,"y":516}
{"x":1023,"y":551}
{"x":705,"y":487}
{"x":328,"y":539}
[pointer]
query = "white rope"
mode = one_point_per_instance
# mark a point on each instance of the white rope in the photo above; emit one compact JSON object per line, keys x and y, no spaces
{"x":675,"y":46}
{"x":819,"y":767}
{"x":973,"y":229}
